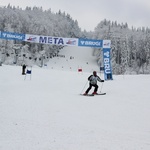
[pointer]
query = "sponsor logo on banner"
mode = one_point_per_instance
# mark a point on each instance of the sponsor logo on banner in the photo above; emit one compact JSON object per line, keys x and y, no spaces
{"x":71,"y":42}
{"x":90,"y":43}
{"x":12,"y":36}
{"x":106,"y":59}
{"x":51,"y":40}
{"x":31,"y":38}
{"x":107,"y":62}
{"x":106,"y":43}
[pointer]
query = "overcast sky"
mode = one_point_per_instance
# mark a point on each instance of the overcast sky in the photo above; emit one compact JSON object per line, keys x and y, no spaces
{"x":89,"y":13}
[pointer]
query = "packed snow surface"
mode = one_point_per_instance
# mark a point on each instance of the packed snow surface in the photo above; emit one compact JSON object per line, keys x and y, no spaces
{"x":45,"y":110}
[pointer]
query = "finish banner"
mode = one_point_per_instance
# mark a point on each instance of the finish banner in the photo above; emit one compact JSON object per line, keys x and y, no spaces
{"x":105,"y":44}
{"x":39,"y":39}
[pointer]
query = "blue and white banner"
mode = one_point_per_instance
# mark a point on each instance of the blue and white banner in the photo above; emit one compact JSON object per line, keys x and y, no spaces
{"x":55,"y":40}
{"x":90,"y":43}
{"x":51,"y":40}
{"x":12,"y":36}
{"x":107,"y":64}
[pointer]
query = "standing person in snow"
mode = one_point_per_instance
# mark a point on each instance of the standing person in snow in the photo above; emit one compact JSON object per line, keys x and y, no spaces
{"x":23,"y":69}
{"x":93,"y":82}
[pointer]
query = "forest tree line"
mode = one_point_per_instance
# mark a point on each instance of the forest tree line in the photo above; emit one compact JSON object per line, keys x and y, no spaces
{"x":130,"y":48}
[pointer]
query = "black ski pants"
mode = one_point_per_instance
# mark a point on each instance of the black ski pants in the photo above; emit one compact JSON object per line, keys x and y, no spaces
{"x":92,"y":85}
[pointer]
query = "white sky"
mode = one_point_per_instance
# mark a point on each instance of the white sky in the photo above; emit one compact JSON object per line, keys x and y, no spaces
{"x":90,"y":13}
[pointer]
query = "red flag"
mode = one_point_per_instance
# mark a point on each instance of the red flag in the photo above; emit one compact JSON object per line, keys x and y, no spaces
{"x":79,"y":70}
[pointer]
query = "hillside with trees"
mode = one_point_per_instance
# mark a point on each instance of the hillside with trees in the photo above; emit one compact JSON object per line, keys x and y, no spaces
{"x":130,"y":48}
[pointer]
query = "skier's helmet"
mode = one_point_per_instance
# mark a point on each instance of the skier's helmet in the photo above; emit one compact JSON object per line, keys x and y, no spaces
{"x":94,"y":73}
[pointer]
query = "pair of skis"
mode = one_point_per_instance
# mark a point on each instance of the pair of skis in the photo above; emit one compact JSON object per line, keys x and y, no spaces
{"x":93,"y":94}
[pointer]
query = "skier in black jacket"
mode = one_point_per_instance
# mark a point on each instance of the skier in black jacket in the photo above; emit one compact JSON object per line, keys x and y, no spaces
{"x":93,"y":82}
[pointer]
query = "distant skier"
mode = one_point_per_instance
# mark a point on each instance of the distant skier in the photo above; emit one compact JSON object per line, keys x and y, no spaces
{"x":93,"y":83}
{"x":23,"y":69}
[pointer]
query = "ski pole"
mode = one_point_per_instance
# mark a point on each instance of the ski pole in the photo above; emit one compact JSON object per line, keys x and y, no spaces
{"x":84,"y":87}
{"x":101,"y":87}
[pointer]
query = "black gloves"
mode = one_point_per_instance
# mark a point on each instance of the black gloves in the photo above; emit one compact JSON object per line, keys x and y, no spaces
{"x":102,"y":80}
